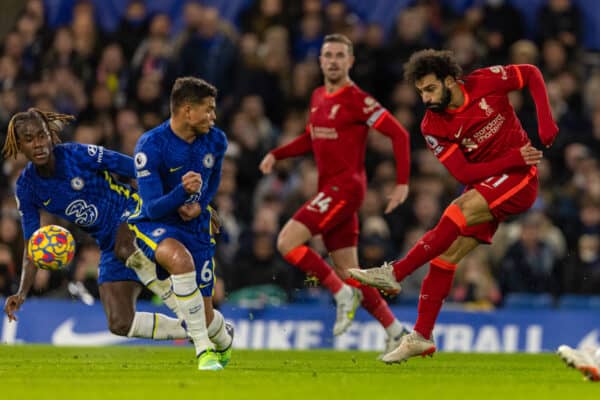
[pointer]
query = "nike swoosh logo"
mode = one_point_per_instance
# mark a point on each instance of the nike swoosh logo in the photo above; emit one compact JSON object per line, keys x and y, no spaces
{"x":203,"y":286}
{"x":64,"y":335}
{"x":175,"y":169}
{"x":457,"y":134}
{"x":47,"y":202}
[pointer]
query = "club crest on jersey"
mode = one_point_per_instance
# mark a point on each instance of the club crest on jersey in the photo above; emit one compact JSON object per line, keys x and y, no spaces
{"x":431,"y":141}
{"x":85,"y":214}
{"x":469,"y":145}
{"x":334,"y":111}
{"x":499,"y":69}
{"x":140,"y":160}
{"x":209,"y":160}
{"x":158,"y":232}
{"x":485,"y":107}
{"x":77,"y":183}
{"x":370,"y":104}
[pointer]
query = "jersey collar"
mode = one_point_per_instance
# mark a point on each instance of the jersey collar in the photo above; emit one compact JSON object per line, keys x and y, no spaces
{"x":465,"y":104}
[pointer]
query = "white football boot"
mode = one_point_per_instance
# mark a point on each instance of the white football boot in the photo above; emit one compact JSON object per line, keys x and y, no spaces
{"x":411,"y":345}
{"x":381,"y":278}
{"x":583,"y":360}
{"x":345,"y":311}
{"x":391,"y":342}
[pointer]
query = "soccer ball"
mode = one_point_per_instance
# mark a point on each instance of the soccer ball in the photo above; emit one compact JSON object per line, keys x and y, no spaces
{"x":51,"y":247}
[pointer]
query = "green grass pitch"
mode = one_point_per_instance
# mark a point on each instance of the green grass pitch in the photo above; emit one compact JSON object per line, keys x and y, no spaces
{"x":45,"y":372}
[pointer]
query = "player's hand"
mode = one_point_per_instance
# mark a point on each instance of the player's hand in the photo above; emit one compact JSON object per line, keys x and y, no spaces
{"x":189,"y":211}
{"x":12,"y":305}
{"x":192,"y":182}
{"x":531,"y":155}
{"x":215,"y":222}
{"x":266,"y":165}
{"x":397,"y":197}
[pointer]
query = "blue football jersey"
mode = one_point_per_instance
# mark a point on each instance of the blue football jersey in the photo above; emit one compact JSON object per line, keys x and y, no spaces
{"x":161,"y":159}
{"x":81,"y":191}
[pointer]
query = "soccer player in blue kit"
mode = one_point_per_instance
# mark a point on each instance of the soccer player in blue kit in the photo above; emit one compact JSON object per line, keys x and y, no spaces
{"x":74,"y":182}
{"x":178,"y":167}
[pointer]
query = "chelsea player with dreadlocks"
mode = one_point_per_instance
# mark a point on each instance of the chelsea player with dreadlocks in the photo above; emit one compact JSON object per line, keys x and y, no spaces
{"x":74,"y":181}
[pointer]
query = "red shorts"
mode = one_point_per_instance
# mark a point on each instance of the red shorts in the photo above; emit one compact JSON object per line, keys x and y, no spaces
{"x":506,"y":195}
{"x":333,"y":213}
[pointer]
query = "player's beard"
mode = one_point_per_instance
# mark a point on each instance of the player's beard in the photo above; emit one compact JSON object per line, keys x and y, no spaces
{"x":443,"y":104}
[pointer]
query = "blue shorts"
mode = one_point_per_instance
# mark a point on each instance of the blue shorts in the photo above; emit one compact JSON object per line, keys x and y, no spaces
{"x":149,"y":234}
{"x":111,"y":269}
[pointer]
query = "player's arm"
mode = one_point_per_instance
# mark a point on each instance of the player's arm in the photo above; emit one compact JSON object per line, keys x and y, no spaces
{"x":533,"y":79}
{"x":155,"y":203}
{"x":385,"y":123}
{"x":297,"y":147}
{"x":518,"y":76}
{"x":467,"y":172}
{"x":100,"y":158}
{"x":30,"y":222}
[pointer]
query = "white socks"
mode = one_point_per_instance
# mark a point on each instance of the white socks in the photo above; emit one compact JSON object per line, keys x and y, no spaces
{"x":394,"y":329}
{"x":146,"y":271}
{"x":344,"y":293}
{"x":217,"y":332}
{"x":156,"y":326}
{"x":191,"y":304}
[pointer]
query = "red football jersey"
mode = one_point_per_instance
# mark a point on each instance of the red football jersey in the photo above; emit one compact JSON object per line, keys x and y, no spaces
{"x":338,"y":124}
{"x":485,"y":127}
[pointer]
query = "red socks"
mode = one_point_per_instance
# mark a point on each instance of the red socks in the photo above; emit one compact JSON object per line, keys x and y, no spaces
{"x":433,"y":243}
{"x":312,"y":264}
{"x":435,"y":288}
{"x":376,"y":306}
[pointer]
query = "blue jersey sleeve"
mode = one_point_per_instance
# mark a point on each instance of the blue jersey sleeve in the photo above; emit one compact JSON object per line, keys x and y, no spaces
{"x":30,"y":215}
{"x":100,"y":158}
{"x":155,"y":203}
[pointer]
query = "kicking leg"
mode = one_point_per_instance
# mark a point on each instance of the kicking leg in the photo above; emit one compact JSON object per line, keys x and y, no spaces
{"x":469,"y":209}
{"x":434,"y":290}
{"x":118,"y":299}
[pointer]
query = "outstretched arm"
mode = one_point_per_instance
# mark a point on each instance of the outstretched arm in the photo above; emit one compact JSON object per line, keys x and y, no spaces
{"x":14,"y":302}
{"x":297,"y":147}
{"x":530,"y":76}
{"x":390,"y":127}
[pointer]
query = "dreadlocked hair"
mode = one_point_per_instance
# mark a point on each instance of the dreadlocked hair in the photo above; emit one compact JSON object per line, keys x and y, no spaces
{"x":51,"y":122}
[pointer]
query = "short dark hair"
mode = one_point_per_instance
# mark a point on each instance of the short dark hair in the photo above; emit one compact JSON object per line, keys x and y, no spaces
{"x":339,"y":38}
{"x":441,"y":63}
{"x":190,"y":90}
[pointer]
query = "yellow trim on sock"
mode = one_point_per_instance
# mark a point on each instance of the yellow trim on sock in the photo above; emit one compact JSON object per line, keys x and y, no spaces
{"x":187,"y":296}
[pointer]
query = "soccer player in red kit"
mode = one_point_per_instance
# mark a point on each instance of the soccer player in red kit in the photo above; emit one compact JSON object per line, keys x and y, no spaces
{"x":473,"y":130}
{"x":340,"y":117}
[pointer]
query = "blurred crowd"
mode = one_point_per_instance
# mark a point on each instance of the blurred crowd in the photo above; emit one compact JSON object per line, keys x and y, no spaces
{"x":265,"y":67}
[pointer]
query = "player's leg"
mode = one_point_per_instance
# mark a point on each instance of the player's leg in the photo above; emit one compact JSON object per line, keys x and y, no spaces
{"x":434,"y":290}
{"x":491,"y":200}
{"x":119,"y":288}
{"x":291,"y":244}
{"x":470,"y":208}
{"x":134,"y":258}
{"x":118,"y":299}
{"x":346,"y":258}
{"x":164,"y":244}
{"x":219,"y":332}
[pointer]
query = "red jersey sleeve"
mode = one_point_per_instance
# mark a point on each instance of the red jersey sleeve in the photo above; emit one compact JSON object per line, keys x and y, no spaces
{"x":377,"y":117}
{"x":297,"y":147}
{"x":503,"y":78}
{"x":467,"y":172}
